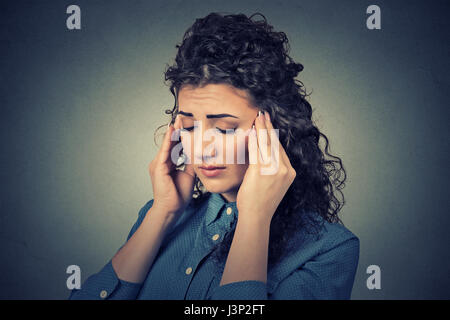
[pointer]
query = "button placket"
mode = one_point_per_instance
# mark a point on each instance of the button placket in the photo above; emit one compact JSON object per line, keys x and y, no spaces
{"x":215,"y":237}
{"x":103,"y":294}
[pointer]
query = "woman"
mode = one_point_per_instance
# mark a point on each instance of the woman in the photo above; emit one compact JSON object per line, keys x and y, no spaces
{"x":225,"y":230}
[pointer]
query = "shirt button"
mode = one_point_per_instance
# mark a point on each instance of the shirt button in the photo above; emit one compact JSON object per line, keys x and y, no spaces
{"x":189,"y":270}
{"x":215,"y":237}
{"x":229,"y":211}
{"x":103,"y":294}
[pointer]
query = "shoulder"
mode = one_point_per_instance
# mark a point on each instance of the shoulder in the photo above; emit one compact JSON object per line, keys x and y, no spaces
{"x":324,"y":235}
{"x":330,"y":237}
{"x":339,"y":246}
{"x":334,"y":234}
{"x":331,"y":242}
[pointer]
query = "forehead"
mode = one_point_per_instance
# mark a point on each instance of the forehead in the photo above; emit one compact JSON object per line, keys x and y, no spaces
{"x":215,"y":98}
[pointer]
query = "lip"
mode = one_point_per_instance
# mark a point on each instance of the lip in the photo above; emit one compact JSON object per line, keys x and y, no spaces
{"x":211,"y":171}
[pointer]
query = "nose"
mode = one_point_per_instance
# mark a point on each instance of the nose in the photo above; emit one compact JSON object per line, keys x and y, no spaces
{"x":205,"y":144}
{"x":210,"y":153}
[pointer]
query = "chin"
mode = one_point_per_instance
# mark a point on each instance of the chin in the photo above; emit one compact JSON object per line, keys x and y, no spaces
{"x":216,"y":185}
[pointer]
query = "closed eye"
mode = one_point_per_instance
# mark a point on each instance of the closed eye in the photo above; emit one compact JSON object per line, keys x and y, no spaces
{"x":227,"y":131}
{"x":222,"y":131}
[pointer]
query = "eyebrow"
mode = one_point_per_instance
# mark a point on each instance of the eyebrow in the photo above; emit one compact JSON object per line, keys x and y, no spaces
{"x":209,"y":116}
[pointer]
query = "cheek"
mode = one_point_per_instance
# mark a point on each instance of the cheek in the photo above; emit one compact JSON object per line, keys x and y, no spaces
{"x":187,"y":143}
{"x":239,"y":148}
{"x":237,"y":170}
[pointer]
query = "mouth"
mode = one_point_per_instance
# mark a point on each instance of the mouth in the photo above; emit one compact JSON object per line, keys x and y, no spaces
{"x":211,"y":171}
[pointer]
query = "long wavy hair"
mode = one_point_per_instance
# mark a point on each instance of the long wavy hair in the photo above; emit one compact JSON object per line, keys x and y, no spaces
{"x":248,"y":54}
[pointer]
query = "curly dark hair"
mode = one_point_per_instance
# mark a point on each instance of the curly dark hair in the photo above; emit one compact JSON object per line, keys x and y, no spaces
{"x":248,"y":54}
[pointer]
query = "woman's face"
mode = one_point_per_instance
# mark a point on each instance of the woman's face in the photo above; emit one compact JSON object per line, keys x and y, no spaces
{"x":216,"y":108}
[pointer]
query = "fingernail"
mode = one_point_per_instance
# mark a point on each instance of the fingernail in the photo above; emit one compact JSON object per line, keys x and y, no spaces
{"x":267,"y":116}
{"x":260,"y":117}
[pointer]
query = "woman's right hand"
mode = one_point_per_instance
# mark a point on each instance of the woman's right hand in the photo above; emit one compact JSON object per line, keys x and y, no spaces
{"x":172,"y":189}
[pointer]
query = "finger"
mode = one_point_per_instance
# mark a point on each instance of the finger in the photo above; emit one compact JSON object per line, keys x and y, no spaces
{"x":274,"y":138}
{"x":166,"y":141}
{"x":188,"y":167}
{"x":253,"y":150}
{"x":274,"y":146}
{"x":186,"y":148}
{"x":262,"y":138}
{"x":283,"y":154}
{"x":178,"y":124}
{"x":170,"y":139}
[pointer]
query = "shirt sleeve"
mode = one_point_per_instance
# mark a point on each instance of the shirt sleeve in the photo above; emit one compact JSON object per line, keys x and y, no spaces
{"x":330,"y":275}
{"x":106,"y":284}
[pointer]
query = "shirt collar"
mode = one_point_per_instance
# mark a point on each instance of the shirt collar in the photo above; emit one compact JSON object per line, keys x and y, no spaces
{"x":216,"y":204}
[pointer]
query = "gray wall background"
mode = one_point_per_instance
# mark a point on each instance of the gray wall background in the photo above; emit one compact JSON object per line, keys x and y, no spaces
{"x":79,"y":109}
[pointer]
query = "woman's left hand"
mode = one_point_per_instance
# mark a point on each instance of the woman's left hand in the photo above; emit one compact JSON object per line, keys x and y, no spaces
{"x":268,"y":178}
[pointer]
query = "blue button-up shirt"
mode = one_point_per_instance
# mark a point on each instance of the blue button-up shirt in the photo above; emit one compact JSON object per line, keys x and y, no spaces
{"x":320,"y":267}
